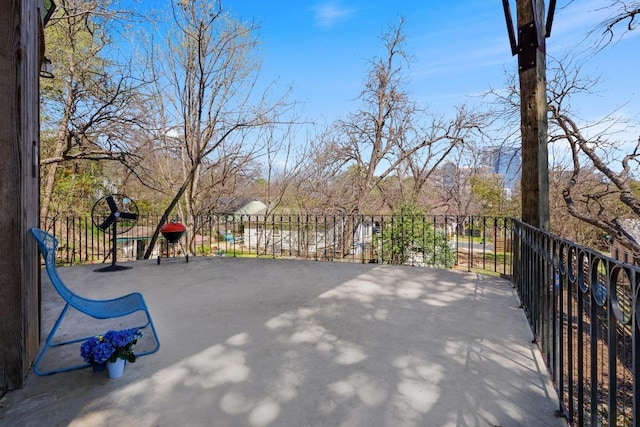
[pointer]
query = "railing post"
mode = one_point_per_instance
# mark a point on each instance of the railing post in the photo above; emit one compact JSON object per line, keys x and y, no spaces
{"x":612,"y":342}
{"x":470,"y":244}
{"x":635,"y":344}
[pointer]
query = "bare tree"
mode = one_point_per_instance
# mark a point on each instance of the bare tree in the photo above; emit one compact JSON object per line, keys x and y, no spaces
{"x":446,"y":138}
{"x":622,"y":17}
{"x":595,"y":145}
{"x":207,"y":76}
{"x":390,"y":134}
{"x":93,"y":106}
{"x":565,"y":224}
{"x":314,"y":188}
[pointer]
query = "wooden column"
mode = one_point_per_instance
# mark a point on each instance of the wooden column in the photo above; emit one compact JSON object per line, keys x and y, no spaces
{"x":19,"y":138}
{"x":533,"y":112}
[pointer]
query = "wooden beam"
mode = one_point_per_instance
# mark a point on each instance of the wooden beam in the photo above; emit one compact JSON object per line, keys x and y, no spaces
{"x":533,"y":112}
{"x":19,"y":194}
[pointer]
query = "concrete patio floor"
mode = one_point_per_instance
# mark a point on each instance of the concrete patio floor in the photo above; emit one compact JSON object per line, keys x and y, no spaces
{"x":260,"y":342}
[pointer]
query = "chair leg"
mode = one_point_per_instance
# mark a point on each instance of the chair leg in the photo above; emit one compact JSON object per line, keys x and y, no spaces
{"x":155,"y":336}
{"x":47,"y":344}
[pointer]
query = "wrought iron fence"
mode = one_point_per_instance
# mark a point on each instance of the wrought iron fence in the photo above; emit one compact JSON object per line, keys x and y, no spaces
{"x":440,"y":241}
{"x":582,"y":307}
{"x":581,"y":304}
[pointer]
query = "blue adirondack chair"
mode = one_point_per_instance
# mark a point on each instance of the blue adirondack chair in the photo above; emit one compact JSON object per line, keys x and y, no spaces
{"x":99,"y":309}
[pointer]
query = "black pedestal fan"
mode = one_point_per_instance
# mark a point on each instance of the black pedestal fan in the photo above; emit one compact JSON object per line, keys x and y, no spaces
{"x":118,"y":213}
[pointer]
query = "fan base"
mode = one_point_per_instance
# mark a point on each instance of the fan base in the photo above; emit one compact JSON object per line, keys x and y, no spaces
{"x":112,"y":268}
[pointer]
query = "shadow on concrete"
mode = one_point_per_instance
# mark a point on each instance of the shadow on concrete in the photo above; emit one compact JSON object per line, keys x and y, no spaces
{"x":252,"y":342}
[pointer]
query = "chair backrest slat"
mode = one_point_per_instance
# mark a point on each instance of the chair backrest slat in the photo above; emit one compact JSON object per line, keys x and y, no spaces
{"x":48,"y":245}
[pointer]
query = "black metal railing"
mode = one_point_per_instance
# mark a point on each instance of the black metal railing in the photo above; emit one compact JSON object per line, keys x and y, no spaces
{"x":581,"y":304}
{"x":582,"y":307}
{"x":472,"y":242}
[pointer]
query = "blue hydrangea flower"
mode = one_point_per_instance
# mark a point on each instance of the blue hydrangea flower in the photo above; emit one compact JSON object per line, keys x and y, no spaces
{"x":87,"y":349}
{"x":110,"y":346}
{"x":102,"y":352}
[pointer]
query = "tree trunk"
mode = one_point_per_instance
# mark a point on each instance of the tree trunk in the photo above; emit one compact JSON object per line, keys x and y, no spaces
{"x":50,"y":181}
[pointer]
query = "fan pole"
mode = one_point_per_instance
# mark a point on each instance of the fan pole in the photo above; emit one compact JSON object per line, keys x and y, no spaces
{"x":114,"y":250}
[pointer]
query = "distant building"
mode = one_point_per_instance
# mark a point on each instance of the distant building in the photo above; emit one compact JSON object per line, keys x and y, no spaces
{"x":504,"y":161}
{"x":448,"y":174}
{"x":619,"y":252}
{"x":240,"y":206}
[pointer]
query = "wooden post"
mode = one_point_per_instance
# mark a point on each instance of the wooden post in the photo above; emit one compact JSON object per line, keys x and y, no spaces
{"x":20,"y":41}
{"x":533,"y":112}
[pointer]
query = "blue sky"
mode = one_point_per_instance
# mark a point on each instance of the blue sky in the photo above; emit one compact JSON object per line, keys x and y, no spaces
{"x":322,"y":48}
{"x":460,"y":50}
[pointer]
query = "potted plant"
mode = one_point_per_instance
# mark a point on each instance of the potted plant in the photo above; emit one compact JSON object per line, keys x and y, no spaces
{"x":113,"y":348}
